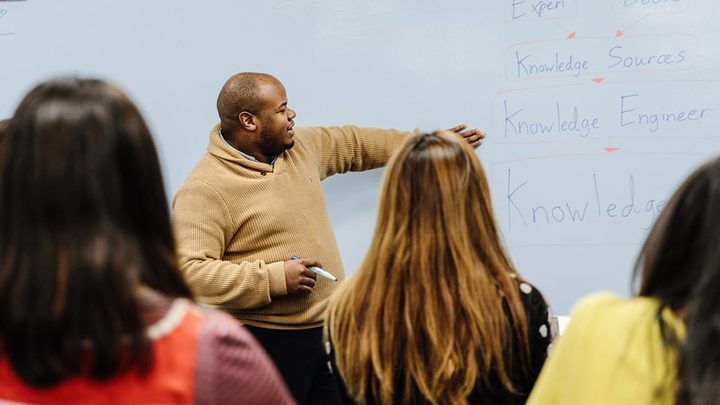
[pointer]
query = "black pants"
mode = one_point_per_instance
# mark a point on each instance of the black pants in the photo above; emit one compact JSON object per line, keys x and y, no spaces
{"x":302,"y":362}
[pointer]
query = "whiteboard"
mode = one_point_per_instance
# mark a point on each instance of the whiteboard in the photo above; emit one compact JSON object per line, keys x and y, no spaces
{"x":595,"y":110}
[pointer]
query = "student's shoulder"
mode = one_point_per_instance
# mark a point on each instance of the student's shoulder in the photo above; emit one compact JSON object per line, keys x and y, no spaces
{"x":608,"y":303}
{"x":530,"y":295}
{"x":604,"y":308}
{"x":597,"y":300}
{"x":232,"y":366}
{"x":221,"y":326}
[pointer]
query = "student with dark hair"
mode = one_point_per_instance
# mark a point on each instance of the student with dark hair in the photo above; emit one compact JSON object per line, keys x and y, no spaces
{"x":3,"y":126}
{"x":93,"y":308}
{"x":661,"y":346}
{"x":436,"y":313}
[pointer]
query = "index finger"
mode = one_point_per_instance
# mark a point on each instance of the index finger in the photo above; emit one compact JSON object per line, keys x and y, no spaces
{"x":309,"y":274}
{"x":310,"y":262}
{"x":458,"y":128}
{"x":473,"y":136}
{"x":471,"y":132}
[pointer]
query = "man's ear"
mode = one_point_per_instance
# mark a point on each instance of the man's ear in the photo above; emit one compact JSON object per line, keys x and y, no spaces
{"x":247,"y":120}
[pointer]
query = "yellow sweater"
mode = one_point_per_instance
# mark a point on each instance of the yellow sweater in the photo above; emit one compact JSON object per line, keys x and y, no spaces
{"x":611,"y":353}
{"x":237,"y":221}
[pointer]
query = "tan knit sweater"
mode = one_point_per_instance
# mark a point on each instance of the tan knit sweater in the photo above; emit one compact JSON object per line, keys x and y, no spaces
{"x":237,"y":221}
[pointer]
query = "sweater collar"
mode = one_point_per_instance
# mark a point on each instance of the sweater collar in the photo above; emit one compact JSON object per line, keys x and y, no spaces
{"x":243,"y":154}
{"x":218,"y":147}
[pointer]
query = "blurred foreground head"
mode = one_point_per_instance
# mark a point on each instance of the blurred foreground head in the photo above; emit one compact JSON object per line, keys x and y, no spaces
{"x":680,"y":266}
{"x":84,"y":224}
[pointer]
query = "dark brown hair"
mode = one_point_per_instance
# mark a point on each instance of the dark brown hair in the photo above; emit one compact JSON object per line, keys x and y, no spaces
{"x":84,"y":222}
{"x":680,"y":267}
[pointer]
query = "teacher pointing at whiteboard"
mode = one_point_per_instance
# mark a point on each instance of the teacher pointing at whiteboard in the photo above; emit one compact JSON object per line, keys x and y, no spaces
{"x":254,"y":202}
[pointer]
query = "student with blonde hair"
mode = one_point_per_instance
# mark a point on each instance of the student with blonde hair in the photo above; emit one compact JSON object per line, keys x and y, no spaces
{"x":436,"y":313}
{"x":661,"y":346}
{"x":93,"y":308}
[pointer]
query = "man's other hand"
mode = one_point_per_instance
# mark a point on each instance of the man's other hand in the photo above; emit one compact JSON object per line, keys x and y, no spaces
{"x":473,"y":136}
{"x":298,"y":278}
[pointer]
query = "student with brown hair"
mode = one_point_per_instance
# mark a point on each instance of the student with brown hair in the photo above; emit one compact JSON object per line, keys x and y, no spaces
{"x":93,"y":308}
{"x":661,"y":346}
{"x":436,"y":313}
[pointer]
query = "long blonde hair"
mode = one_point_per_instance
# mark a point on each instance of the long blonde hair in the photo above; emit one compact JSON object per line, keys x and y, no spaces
{"x":424,"y":312}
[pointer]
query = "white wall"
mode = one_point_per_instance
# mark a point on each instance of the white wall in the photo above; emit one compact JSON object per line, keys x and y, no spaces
{"x":429,"y":64}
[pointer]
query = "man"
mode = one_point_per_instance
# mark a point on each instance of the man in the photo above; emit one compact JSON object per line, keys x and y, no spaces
{"x":253,"y":202}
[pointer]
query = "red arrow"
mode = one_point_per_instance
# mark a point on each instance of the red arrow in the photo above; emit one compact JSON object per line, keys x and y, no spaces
{"x":598,"y":80}
{"x":621,"y":32}
{"x":610,"y":148}
{"x":570,"y":34}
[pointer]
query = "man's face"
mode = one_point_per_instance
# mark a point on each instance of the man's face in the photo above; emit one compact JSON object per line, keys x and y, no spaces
{"x":275,"y":119}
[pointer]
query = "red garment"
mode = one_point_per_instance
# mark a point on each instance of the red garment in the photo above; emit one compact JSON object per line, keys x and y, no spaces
{"x":200,"y":356}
